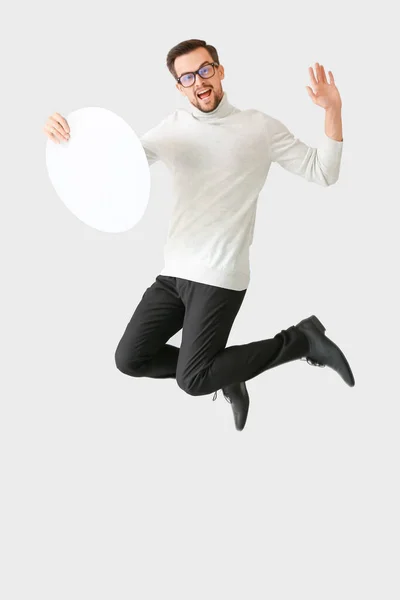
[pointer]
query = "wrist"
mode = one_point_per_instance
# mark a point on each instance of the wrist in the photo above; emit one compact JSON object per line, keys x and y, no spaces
{"x":333,"y":110}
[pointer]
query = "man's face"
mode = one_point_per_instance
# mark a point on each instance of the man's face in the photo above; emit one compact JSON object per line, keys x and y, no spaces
{"x":191,"y":62}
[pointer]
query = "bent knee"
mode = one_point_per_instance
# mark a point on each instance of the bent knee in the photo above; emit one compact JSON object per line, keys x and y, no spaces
{"x":189,"y":386}
{"x":127,"y":364}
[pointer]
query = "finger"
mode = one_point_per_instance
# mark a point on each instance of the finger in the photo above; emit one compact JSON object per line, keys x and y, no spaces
{"x":53,"y":133}
{"x":322,"y":74}
{"x":317,"y":72}
{"x":51,"y":136}
{"x":312,"y":76}
{"x":54,"y":124}
{"x":310,"y":93}
{"x":48,"y":132}
{"x":60,"y":119}
{"x":331,"y":79}
{"x":58,"y":125}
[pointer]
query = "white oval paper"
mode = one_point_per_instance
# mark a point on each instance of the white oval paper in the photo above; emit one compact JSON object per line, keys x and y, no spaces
{"x":101,"y":173}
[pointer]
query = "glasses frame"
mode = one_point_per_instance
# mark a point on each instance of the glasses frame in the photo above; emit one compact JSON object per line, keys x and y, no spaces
{"x":194,"y":73}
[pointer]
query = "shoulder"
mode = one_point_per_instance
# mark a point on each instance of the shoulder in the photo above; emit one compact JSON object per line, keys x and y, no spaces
{"x":272,"y":125}
{"x":158,"y":130}
{"x":266,"y":118}
{"x":261,"y":118}
{"x":169,"y":120}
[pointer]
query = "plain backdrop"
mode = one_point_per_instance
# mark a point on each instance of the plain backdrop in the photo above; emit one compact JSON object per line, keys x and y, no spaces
{"x":122,"y":488}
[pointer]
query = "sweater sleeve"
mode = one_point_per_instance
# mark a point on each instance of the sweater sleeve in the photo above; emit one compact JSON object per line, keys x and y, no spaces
{"x":318,"y":165}
{"x":149,"y":143}
{"x":155,"y":141}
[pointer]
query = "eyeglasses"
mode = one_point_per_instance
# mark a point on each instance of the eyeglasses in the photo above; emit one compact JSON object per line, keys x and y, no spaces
{"x":205,"y":72}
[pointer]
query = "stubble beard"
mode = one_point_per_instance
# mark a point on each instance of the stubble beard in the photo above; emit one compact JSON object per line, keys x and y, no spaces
{"x":209,"y":107}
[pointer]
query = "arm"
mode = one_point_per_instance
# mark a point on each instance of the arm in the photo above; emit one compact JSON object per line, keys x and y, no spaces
{"x":155,"y":141}
{"x":318,"y":165}
{"x":149,"y":146}
{"x":333,"y":123}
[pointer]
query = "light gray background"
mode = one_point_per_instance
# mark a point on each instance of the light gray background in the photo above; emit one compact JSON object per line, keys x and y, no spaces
{"x":113,"y":487}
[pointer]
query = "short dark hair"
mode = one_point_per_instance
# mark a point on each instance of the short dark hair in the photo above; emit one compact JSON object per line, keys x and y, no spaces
{"x":186,"y":47}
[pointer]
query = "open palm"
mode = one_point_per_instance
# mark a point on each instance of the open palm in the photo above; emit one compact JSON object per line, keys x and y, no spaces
{"x":324,"y":93}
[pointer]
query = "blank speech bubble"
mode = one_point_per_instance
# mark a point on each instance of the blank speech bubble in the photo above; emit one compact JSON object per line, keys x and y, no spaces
{"x":101,"y":173}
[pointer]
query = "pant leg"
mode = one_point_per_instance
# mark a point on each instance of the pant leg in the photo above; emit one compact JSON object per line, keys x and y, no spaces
{"x":204,"y":363}
{"x":142,"y":350}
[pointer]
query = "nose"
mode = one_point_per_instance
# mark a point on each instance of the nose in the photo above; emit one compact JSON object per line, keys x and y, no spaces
{"x":197,"y":76}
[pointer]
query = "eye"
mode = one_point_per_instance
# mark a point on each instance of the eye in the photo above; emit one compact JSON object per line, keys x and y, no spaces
{"x":186,"y":78}
{"x":205,"y":70}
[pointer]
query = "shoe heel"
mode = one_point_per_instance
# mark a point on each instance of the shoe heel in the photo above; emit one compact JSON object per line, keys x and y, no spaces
{"x":317,"y":323}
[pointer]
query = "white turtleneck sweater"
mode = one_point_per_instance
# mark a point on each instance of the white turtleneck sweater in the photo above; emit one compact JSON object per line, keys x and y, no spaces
{"x":220,"y":161}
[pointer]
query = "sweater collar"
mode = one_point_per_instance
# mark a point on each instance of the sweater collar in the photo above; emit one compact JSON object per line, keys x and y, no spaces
{"x":223,"y":109}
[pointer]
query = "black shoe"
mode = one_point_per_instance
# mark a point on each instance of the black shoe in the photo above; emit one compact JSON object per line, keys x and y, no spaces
{"x":236,"y":394}
{"x":322,"y":351}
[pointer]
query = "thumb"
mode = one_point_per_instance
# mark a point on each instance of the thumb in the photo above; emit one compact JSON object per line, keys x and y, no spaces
{"x":310,"y":93}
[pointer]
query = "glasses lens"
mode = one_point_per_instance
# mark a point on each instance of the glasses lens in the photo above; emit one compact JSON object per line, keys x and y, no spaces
{"x":187,"y":80}
{"x":207,"y":71}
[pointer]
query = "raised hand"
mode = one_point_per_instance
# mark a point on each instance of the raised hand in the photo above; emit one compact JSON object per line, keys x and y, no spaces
{"x":324,"y":93}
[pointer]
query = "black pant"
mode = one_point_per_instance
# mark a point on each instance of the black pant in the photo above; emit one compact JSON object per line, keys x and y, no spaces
{"x":202,"y":364}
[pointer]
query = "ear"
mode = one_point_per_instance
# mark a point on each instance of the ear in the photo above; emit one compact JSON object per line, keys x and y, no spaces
{"x":221,"y":71}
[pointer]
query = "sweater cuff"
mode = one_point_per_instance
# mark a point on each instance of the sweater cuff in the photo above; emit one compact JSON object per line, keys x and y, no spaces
{"x":332,"y":146}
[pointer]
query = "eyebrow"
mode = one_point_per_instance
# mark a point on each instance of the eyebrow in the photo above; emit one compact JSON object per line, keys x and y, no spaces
{"x":186,"y":72}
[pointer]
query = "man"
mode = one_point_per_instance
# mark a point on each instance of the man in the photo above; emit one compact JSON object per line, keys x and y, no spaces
{"x":220,"y":157}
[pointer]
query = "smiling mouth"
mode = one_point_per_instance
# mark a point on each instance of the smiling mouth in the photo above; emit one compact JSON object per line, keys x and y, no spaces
{"x":204,"y":95}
